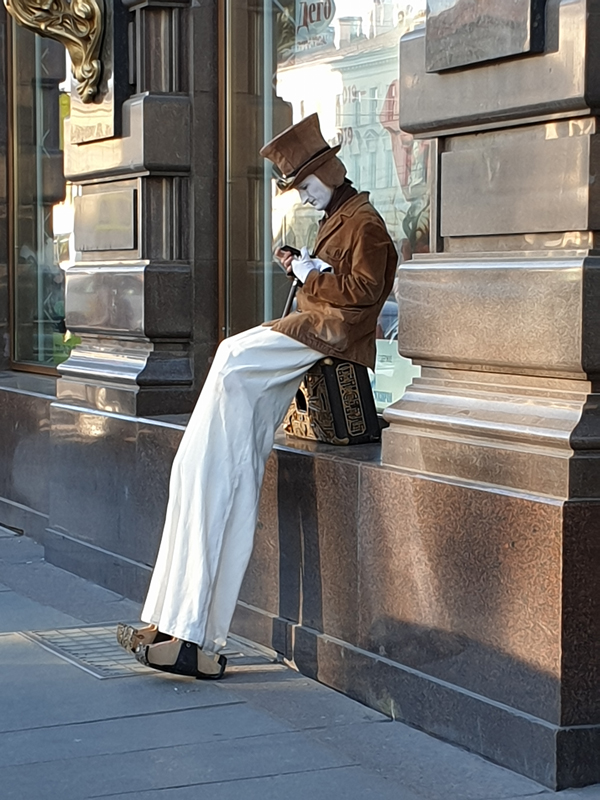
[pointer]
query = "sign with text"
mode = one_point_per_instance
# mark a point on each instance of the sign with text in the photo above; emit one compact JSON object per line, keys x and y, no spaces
{"x":313,"y":17}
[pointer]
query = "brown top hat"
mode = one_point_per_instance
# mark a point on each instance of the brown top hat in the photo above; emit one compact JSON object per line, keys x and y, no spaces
{"x":299,"y":151}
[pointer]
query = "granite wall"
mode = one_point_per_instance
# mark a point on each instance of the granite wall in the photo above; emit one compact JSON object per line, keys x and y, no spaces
{"x":25,"y":462}
{"x":470,"y":613}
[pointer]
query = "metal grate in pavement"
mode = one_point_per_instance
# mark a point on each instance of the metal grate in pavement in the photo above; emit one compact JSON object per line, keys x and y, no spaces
{"x":94,"y":649}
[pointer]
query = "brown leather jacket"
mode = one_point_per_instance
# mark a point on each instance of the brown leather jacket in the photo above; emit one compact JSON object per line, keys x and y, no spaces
{"x":337,"y":311}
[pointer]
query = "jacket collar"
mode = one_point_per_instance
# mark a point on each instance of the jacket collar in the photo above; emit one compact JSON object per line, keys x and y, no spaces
{"x":332,"y":223}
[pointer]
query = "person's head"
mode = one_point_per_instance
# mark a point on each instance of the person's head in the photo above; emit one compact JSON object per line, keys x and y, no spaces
{"x":314,"y":192}
{"x":305,"y":159}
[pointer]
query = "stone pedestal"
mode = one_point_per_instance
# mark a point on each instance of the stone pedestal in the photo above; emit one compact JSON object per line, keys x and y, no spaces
{"x":145,"y":209}
{"x":141,"y":293}
{"x":503,"y":426}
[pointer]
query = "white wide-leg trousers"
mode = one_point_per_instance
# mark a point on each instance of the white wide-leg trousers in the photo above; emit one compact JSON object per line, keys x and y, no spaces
{"x":215,"y":484}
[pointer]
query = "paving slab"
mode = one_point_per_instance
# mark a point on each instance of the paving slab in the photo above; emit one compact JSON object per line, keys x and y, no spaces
{"x":19,"y":550}
{"x":7,"y":533}
{"x":38,"y":689}
{"x":24,"y":570}
{"x":290,"y":696}
{"x":585,"y":793}
{"x":135,"y":732}
{"x":431,"y":768}
{"x":264,"y":732}
{"x":347,"y":783}
{"x":18,"y":613}
{"x":164,"y":767}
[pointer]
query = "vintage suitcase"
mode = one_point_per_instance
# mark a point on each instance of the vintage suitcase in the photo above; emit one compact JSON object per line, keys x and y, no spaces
{"x":334,"y":404}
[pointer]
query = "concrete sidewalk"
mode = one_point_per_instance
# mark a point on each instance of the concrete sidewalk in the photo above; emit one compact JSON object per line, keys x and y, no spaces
{"x":79,"y":719}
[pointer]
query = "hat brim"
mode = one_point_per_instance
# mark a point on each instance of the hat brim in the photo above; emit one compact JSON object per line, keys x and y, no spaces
{"x":285,"y":184}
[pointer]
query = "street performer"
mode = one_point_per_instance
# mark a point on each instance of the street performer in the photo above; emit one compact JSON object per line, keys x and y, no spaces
{"x":217,"y":473}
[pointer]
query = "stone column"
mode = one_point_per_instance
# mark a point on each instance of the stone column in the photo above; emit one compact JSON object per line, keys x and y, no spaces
{"x":129,"y":291}
{"x":503,"y":424}
{"x":141,"y":291}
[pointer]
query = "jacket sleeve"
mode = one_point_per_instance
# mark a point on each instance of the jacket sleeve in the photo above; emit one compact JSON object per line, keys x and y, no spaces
{"x":364,"y":284}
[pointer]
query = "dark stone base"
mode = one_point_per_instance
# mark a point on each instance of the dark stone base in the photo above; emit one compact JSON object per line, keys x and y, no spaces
{"x":108,"y":495}
{"x":25,"y":463}
{"x":111,"y":570}
{"x":558,"y":757}
{"x":23,"y":520}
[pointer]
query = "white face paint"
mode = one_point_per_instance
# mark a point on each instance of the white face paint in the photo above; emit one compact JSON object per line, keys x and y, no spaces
{"x":313,"y":191}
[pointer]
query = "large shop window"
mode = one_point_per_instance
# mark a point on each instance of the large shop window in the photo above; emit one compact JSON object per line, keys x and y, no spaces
{"x":37,"y":187}
{"x":287,"y":59}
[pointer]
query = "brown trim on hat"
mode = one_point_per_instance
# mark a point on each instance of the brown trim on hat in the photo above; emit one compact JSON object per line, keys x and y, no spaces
{"x":290,"y":181}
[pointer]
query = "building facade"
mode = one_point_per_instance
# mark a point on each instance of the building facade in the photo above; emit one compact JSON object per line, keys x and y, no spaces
{"x":447,"y":577}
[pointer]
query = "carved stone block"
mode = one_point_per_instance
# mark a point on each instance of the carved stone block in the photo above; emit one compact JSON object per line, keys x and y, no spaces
{"x":461,"y":32}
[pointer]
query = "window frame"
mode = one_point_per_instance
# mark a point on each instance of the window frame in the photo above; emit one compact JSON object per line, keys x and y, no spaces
{"x":11,"y":149}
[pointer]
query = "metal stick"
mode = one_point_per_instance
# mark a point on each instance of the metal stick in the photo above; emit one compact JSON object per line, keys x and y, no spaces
{"x":290,"y":300}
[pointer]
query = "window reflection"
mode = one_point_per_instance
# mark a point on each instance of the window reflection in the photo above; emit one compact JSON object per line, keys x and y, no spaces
{"x":288,"y":59}
{"x":38,"y":67}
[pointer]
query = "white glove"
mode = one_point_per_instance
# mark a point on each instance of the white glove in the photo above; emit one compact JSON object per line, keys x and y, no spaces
{"x":305,"y":264}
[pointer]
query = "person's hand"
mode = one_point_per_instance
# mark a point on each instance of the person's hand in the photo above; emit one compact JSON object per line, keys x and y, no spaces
{"x":305,"y":264}
{"x":285,"y":259}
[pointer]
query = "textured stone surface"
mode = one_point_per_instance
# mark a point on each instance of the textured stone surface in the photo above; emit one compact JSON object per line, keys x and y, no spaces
{"x":304,"y":567}
{"x":455,"y":587}
{"x":261,"y":583}
{"x":109,"y":569}
{"x":113,"y":457}
{"x":465,"y":624}
{"x":318,"y":524}
{"x":24,"y":454}
{"x":461,"y":585}
{"x":530,"y":434}
{"x":511,"y":88}
{"x":553,"y":756}
{"x":518,"y":317}
{"x":525,"y":160}
{"x":464,"y":585}
{"x":580,"y":694}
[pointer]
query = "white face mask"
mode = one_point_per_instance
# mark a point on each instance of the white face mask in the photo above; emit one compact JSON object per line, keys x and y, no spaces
{"x":313,"y":191}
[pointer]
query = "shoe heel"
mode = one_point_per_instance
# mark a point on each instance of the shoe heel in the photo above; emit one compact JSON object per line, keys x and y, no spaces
{"x":210,"y":666}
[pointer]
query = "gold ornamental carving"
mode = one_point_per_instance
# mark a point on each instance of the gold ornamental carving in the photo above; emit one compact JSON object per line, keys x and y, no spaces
{"x":76,"y":24}
{"x":310,"y":416}
{"x":334,"y":405}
